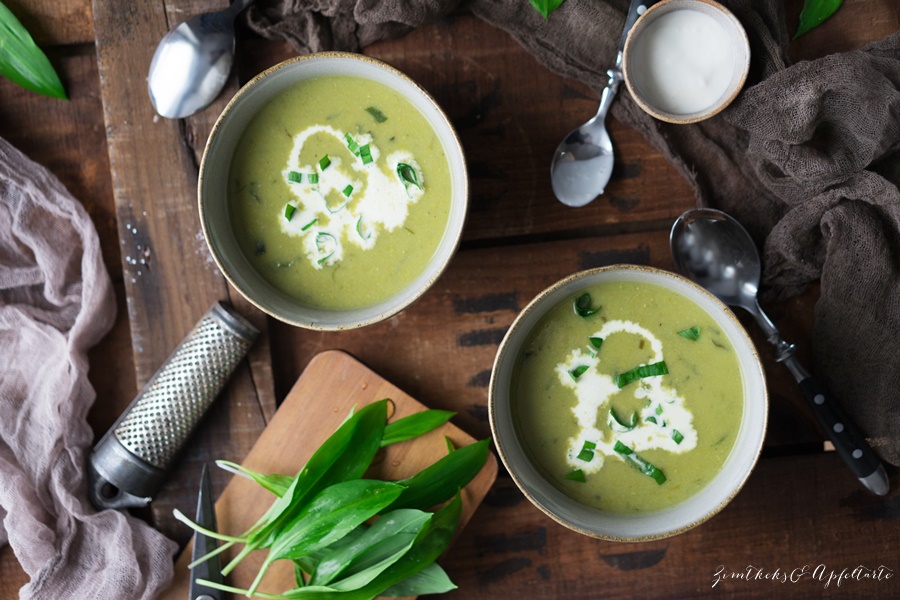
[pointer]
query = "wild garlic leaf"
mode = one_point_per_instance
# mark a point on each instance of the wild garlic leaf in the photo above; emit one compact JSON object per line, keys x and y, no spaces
{"x":414,"y":425}
{"x":814,"y":13}
{"x":22,"y":62}
{"x":545,"y":7}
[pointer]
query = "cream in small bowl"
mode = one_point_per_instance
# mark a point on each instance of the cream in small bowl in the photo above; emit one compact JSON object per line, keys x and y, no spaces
{"x":333,"y":191}
{"x":686,"y":60}
{"x":628,"y":403}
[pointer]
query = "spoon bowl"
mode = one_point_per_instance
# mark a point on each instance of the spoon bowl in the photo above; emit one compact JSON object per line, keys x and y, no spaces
{"x":192,"y":61}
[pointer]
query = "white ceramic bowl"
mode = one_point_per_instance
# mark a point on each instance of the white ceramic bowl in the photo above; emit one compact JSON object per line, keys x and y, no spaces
{"x":735,"y":34}
{"x":213,"y":197}
{"x":614,"y":526}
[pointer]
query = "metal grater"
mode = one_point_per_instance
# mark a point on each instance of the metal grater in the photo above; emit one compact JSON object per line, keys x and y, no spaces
{"x":130,"y":462}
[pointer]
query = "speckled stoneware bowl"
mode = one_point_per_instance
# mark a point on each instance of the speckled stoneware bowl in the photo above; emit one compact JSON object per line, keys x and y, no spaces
{"x":740,"y":45}
{"x":213,"y":196}
{"x":614,"y":526}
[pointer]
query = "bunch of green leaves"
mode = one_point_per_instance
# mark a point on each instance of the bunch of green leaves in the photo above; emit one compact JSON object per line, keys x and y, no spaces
{"x":22,"y":61}
{"x":321,"y":519}
{"x":814,"y":13}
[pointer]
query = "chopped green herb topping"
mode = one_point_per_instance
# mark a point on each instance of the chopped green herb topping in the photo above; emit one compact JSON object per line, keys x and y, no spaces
{"x":324,"y":162}
{"x":365,"y":154}
{"x":692,"y":333}
{"x":408,"y":175}
{"x":636,"y":373}
{"x":621,"y":426}
{"x":289,"y":211}
{"x":324,"y":242}
{"x":376,"y":114}
{"x":587,"y":452}
{"x":659,"y":410}
{"x":295,"y":177}
{"x":652,"y":420}
{"x":676,"y":435}
{"x":359,"y":229}
{"x":312,"y":178}
{"x":639,"y":463}
{"x":596,"y":342}
{"x":578,"y":371}
{"x":576,"y":475}
{"x":583,"y":306}
{"x":348,"y":190}
{"x":351,"y":144}
{"x":310,"y":224}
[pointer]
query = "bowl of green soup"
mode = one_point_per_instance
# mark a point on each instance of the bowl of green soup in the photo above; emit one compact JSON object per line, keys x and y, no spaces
{"x":333,"y":191}
{"x":628,"y":403}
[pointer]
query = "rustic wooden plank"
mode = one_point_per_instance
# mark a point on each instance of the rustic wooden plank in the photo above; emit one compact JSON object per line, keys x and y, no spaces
{"x":442,"y":347}
{"x":852,"y":26}
{"x":169,"y":277}
{"x":792,"y":512}
{"x":55,"y":22}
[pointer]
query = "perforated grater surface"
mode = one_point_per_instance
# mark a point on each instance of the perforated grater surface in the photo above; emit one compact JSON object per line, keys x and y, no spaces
{"x":131,"y":460}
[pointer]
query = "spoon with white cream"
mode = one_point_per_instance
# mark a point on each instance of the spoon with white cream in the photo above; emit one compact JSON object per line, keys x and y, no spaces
{"x":583,"y":162}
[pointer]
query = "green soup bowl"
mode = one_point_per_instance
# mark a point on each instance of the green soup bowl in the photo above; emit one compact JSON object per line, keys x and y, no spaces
{"x":547,"y":493}
{"x":217,"y":218}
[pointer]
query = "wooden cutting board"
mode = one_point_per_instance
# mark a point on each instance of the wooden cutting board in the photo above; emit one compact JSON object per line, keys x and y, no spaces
{"x":332,"y":384}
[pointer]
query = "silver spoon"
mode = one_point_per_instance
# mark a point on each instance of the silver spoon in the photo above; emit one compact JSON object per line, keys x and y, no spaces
{"x":714,"y":250}
{"x":191,"y":63}
{"x":583,"y":162}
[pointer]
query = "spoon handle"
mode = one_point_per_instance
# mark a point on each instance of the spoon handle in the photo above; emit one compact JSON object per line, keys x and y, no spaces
{"x":847,"y":440}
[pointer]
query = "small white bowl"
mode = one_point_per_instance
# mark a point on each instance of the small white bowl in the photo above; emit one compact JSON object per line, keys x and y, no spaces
{"x":615,"y":526}
{"x":216,"y":163}
{"x":635,"y":74}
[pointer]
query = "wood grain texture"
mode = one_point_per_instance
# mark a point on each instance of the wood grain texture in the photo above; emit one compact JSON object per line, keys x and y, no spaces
{"x":55,"y":22}
{"x":169,"y":276}
{"x":330,"y":387}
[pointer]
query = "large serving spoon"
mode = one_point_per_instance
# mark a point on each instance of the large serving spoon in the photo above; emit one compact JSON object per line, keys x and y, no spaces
{"x":583,"y":162}
{"x":713,"y":249}
{"x":191,"y":63}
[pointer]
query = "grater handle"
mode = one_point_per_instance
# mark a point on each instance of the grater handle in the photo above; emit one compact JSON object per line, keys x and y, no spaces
{"x":130,"y":462}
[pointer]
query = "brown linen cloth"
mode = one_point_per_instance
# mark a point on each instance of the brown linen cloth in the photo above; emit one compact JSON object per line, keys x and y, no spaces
{"x":56,"y":302}
{"x":806,"y":158}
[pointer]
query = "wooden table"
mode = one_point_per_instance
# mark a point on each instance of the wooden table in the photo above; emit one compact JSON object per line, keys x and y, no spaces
{"x":136,"y":176}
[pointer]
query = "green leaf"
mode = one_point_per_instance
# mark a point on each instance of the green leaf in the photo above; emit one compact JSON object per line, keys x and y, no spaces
{"x":430,"y":580}
{"x":407,"y":175}
{"x":329,"y":516}
{"x":22,"y":62}
{"x":578,"y":372}
{"x":576,"y":475}
{"x":397,"y":528}
{"x":277,"y":484}
{"x":376,"y":114}
{"x":814,"y":13}
{"x":545,"y":7}
{"x":582,"y":306}
{"x":692,"y":333}
{"x":651,"y":370}
{"x":414,"y":425}
{"x":439,"y":482}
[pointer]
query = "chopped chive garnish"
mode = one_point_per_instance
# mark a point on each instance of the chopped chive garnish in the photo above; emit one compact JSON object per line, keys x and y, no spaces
{"x":310,"y":224}
{"x":348,"y":190}
{"x":676,"y":435}
{"x":576,"y":475}
{"x":408,"y":175}
{"x":313,"y":178}
{"x":620,"y":425}
{"x":587,"y":452}
{"x":365,"y":154}
{"x":295,"y":177}
{"x":289,"y":211}
{"x":659,"y":410}
{"x":596,"y":342}
{"x":359,"y":229}
{"x":323,"y":240}
{"x":324,"y":162}
{"x":692,"y":333}
{"x":376,"y":114}
{"x":652,"y":420}
{"x":351,"y":144}
{"x":578,"y":371}
{"x":639,"y":463}
{"x":623,"y":379}
{"x":583,"y":306}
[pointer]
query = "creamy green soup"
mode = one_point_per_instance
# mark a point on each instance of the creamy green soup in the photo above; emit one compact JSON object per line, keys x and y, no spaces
{"x":634,"y":404}
{"x":339,"y":192}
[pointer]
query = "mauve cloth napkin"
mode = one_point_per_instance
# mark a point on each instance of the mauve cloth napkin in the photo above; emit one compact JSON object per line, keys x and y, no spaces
{"x":806,"y":158}
{"x":56,"y":302}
